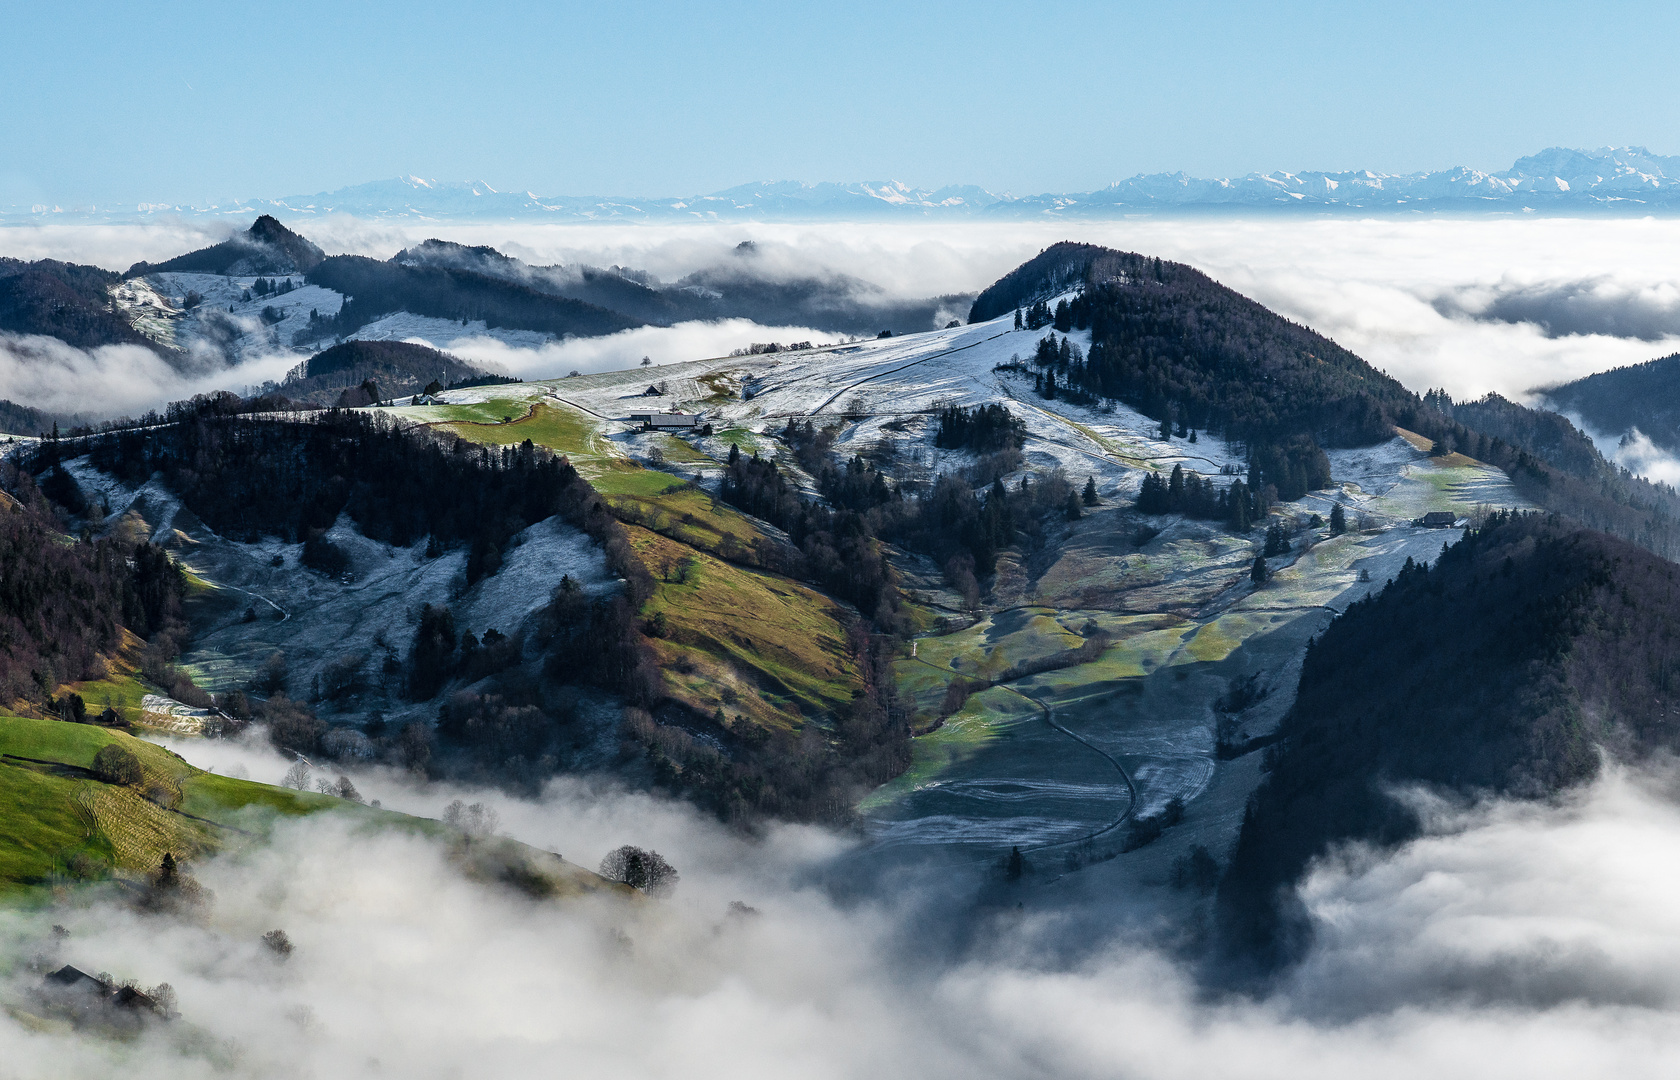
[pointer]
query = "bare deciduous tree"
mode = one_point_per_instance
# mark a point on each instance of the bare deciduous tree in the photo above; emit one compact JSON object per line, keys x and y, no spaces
{"x":640,"y":869}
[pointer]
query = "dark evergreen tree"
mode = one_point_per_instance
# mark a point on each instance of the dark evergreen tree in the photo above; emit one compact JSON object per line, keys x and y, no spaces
{"x":1090,"y":495}
{"x":1259,"y":573}
{"x":1338,"y":520}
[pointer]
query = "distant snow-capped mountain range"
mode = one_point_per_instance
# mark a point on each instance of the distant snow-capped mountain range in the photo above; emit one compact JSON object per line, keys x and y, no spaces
{"x":1613,"y":179}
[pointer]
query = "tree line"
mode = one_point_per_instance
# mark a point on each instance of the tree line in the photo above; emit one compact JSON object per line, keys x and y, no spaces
{"x":64,"y":605}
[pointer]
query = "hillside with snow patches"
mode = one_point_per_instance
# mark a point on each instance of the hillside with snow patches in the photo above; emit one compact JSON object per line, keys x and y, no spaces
{"x":1062,"y":762}
{"x":1102,"y":702}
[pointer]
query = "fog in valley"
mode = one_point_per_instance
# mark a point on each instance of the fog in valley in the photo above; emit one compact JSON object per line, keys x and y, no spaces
{"x":1510,"y":940}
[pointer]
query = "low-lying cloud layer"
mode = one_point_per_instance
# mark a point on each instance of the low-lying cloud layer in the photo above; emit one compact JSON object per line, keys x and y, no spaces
{"x":661,"y":344}
{"x":1515,"y":940}
{"x":114,"y":380}
{"x":1471,"y":305}
{"x":1602,"y":305}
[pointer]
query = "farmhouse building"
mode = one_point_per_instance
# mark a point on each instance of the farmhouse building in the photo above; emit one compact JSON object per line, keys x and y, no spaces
{"x":1438,"y":519}
{"x":672,"y":421}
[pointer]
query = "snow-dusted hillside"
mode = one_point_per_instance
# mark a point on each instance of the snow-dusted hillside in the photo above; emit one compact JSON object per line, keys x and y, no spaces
{"x":1056,"y":762}
{"x":229,"y":320}
{"x":231,"y":323}
{"x":262,"y":600}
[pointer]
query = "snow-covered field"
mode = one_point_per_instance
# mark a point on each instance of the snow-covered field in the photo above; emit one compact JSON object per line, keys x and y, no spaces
{"x":447,"y":334}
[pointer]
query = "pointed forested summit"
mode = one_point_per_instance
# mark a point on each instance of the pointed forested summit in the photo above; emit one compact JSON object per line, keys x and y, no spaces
{"x":1183,"y":349}
{"x":267,"y":247}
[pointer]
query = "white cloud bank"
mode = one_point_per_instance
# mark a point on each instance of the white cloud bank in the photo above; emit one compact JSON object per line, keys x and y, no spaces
{"x":1424,"y":299}
{"x":114,"y":380}
{"x":1409,"y":295}
{"x":1516,"y":940}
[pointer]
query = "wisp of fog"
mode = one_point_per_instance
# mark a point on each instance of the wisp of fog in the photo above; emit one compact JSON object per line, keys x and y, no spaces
{"x":1513,"y":939}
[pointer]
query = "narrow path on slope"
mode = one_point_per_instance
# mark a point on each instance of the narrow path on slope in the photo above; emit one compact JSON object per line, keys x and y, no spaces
{"x":1050,"y":719}
{"x":575,"y":405}
{"x":284,"y":614}
{"x":1131,"y":788}
{"x":1102,"y":452}
{"x":893,"y":371}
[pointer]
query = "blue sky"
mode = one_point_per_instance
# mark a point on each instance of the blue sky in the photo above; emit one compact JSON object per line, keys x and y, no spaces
{"x":194,"y":102}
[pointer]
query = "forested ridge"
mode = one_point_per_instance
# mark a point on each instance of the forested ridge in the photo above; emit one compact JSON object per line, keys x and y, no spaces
{"x":609,"y":289}
{"x":1191,"y":353}
{"x":249,"y":476}
{"x":64,"y":605}
{"x":1499,"y":669}
{"x":65,"y":301}
{"x":374,"y":289}
{"x":1643,"y":396}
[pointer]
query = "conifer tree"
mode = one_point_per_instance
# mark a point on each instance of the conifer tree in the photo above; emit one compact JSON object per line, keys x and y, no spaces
{"x":1090,"y":491}
{"x":1259,"y":573}
{"x":1338,"y":520}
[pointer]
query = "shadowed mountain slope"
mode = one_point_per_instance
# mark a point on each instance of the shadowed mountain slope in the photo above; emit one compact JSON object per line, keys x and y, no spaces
{"x":65,"y":301}
{"x":1501,"y":669}
{"x":1644,"y":396}
{"x":377,"y":288}
{"x":397,"y":368}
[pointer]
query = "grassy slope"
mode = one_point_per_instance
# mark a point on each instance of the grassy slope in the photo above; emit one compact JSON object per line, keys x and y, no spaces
{"x":53,"y":810}
{"x":777,"y":647}
{"x":122,"y":688}
{"x":663,"y":502}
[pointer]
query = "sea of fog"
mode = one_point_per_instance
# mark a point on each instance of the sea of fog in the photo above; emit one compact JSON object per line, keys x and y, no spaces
{"x":1513,"y":940}
{"x":1516,"y":940}
{"x":1503,"y":303}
